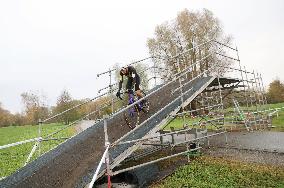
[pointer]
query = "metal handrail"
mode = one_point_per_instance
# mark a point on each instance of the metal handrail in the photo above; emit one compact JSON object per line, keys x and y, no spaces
{"x":129,"y":106}
{"x":72,"y":108}
{"x":124,"y":109}
{"x":135,"y":62}
{"x":21,"y":142}
{"x":157,"y":57}
{"x":158,"y":89}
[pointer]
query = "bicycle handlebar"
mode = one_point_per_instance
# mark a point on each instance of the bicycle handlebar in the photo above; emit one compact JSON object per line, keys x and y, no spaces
{"x":125,"y":92}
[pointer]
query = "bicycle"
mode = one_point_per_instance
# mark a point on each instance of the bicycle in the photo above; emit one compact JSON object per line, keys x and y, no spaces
{"x":132,"y":115}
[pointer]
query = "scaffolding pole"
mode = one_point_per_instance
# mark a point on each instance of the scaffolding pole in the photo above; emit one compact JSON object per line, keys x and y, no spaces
{"x":154,"y":161}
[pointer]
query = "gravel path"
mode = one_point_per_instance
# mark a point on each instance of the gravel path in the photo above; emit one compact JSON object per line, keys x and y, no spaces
{"x":83,"y":125}
{"x":258,"y":140}
{"x":262,"y":147}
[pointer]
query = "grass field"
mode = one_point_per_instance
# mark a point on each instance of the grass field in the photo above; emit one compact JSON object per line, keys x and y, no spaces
{"x":13,"y":158}
{"x":178,"y":123}
{"x":215,"y":172}
{"x":278,"y":122}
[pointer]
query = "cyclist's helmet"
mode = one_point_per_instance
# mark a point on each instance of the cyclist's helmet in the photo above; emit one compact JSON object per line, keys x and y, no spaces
{"x":122,"y":71}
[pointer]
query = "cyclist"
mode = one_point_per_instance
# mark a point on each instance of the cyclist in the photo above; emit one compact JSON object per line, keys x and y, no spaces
{"x":133,"y":78}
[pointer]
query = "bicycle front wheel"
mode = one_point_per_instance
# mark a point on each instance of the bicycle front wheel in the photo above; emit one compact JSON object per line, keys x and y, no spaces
{"x":131,"y":117}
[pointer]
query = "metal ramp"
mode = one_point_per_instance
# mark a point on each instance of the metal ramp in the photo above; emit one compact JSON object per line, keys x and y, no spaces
{"x":72,"y":163}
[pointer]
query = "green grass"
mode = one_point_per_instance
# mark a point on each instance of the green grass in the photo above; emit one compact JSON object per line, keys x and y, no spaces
{"x":278,"y":122}
{"x":13,"y":158}
{"x":177,"y":123}
{"x":277,"y":105}
{"x":214,"y":172}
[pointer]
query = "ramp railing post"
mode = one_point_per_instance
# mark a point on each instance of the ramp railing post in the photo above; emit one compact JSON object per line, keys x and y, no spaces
{"x":110,"y":92}
{"x":105,"y":158}
{"x":257,"y":101}
{"x":254,"y":90}
{"x":222,"y":106}
{"x":39,"y":135}
{"x":182,"y":99}
{"x":242,"y":76}
{"x":107,"y":154}
{"x":253,"y":120}
{"x":262,"y":103}
{"x":155,"y":73}
{"x":265,"y":101}
{"x":248,"y":86}
{"x":37,"y":144}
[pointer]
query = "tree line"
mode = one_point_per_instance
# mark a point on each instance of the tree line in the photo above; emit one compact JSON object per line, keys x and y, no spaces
{"x":36,"y":109}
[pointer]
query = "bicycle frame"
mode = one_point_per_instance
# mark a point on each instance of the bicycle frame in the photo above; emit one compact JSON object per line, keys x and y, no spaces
{"x":132,"y":115}
{"x":131,"y":100}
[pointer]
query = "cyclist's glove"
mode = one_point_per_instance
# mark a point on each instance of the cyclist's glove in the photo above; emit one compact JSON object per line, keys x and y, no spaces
{"x":118,"y":95}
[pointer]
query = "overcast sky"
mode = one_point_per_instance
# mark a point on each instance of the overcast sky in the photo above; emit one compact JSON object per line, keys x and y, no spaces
{"x":48,"y":46}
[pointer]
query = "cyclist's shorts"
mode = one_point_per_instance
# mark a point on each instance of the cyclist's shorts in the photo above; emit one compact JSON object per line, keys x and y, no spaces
{"x":129,"y":84}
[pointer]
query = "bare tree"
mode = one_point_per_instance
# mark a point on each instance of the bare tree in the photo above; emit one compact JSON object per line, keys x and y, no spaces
{"x":6,"y":118}
{"x":65,"y":102}
{"x":35,"y":107}
{"x":183,"y":33}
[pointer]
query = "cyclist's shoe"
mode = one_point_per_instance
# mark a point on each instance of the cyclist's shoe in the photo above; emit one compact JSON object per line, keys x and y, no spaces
{"x":137,"y":107}
{"x":144,"y":110}
{"x":145,"y":106}
{"x":144,"y":103}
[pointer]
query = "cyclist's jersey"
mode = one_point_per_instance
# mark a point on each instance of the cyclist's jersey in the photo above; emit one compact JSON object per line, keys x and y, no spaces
{"x":131,"y":74}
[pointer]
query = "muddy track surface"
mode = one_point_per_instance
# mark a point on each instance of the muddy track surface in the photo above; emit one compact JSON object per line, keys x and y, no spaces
{"x":72,"y":163}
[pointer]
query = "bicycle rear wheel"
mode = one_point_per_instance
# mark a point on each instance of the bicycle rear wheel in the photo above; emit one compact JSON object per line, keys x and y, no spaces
{"x":146,"y":104}
{"x":131,"y":117}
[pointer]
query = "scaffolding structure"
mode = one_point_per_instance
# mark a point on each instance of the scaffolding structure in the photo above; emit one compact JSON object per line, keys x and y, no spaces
{"x":226,"y":104}
{"x":210,"y":112}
